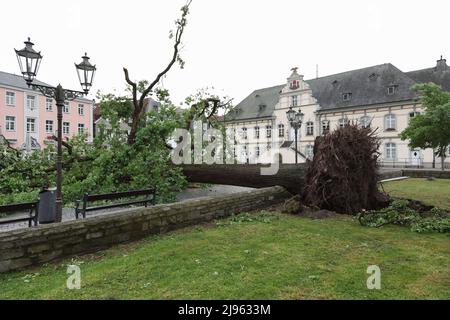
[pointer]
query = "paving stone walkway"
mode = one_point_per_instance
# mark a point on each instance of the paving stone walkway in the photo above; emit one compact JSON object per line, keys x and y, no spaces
{"x":190,"y":193}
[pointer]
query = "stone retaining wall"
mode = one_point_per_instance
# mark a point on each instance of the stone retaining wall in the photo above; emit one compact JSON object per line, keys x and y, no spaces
{"x":422,"y":173}
{"x":34,"y":246}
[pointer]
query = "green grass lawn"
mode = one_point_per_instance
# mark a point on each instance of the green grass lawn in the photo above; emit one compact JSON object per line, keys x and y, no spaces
{"x":436,"y":192}
{"x":289,"y":257}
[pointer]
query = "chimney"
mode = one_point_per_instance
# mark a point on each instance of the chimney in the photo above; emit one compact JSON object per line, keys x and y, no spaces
{"x":441,"y":64}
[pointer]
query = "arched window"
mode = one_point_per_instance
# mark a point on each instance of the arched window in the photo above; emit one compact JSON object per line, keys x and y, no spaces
{"x":309,"y":151}
{"x":310,"y":128}
{"x":294,"y":85}
{"x":365,"y":122}
{"x":390,"y":151}
{"x":281,"y":130}
{"x":390,"y":122}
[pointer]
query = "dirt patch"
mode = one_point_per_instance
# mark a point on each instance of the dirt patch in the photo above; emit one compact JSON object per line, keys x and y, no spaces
{"x":320,"y":214}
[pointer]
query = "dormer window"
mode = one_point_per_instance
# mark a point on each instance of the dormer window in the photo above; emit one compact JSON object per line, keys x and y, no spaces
{"x":262,"y":107}
{"x":373,"y":76}
{"x":346,"y":96}
{"x":391,"y":90}
{"x":295,"y":84}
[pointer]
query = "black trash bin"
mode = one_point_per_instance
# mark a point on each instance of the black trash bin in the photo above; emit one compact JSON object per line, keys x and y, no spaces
{"x":47,"y":206}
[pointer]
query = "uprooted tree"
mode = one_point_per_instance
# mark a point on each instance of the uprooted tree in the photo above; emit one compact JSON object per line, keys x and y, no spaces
{"x":343,"y":177}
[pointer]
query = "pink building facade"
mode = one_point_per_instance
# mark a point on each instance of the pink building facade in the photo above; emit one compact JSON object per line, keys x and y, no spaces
{"x":28,"y":118}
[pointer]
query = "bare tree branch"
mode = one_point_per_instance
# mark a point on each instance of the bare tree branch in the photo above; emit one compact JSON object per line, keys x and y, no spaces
{"x":139,"y":104}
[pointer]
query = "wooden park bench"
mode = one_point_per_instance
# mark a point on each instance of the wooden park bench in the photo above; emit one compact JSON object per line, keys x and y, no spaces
{"x":82,"y":205}
{"x":31,"y":216}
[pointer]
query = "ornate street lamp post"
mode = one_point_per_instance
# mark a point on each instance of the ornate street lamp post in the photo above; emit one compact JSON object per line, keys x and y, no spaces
{"x":29,"y":62}
{"x":296,"y":120}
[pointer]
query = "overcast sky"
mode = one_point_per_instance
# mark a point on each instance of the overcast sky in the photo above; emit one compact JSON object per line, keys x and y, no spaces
{"x":234,"y":45}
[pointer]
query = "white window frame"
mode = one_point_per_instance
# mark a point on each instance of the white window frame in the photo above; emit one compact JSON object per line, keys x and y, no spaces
{"x":342,"y":122}
{"x":347,"y":96}
{"x":257,"y":132}
{"x":81,"y":125}
{"x":244,"y":133}
{"x":281,"y":131}
{"x":66,"y":128}
{"x":81,"y":108}
{"x":269,"y":132}
{"x":30,"y":125}
{"x":390,"y":150}
{"x":257,"y":151}
{"x":49,"y":126}
{"x":49,"y":104}
{"x":309,"y":151}
{"x":310,"y":128}
{"x":390,"y":122}
{"x":391,"y":90}
{"x":365,"y":121}
{"x":8,"y":97}
{"x":9,"y":122}
{"x":66,"y":107}
{"x":325,"y":124}
{"x":294,"y":101}
{"x":29,"y":105}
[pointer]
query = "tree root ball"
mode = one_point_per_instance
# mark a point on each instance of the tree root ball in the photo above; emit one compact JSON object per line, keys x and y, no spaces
{"x":343,"y":176}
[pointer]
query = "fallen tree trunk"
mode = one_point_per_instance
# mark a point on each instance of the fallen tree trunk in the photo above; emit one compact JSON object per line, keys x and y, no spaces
{"x":291,"y":177}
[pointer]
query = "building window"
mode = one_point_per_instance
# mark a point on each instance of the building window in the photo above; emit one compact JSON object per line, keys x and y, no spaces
{"x":325,"y":126}
{"x":81,"y":109}
{"x":346,"y":96}
{"x":80,"y":128}
{"x":10,"y":123}
{"x":257,"y":151}
{"x":10,"y":98}
{"x":310,"y":128}
{"x":269,"y":147}
{"x":66,"y":128}
{"x":414,"y":114}
{"x":294,"y":101}
{"x":391,"y":90}
{"x":48,"y":104}
{"x":49,"y":126}
{"x":365,"y":122}
{"x":31,"y":125}
{"x":309,"y":152}
{"x":391,"y":151}
{"x":281,"y":130}
{"x":294,"y":85}
{"x":390,"y":122}
{"x":66,"y":107}
{"x":256,"y":132}
{"x":342,"y":122}
{"x":244,"y":133}
{"x":269,"y":132}
{"x":31,"y":102}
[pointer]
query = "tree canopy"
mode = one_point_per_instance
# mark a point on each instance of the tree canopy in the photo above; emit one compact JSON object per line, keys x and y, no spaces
{"x":431,"y":129}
